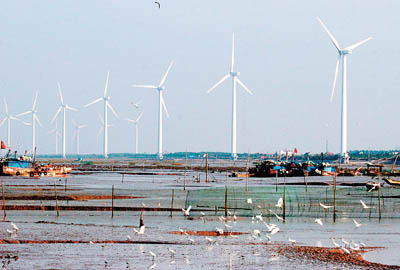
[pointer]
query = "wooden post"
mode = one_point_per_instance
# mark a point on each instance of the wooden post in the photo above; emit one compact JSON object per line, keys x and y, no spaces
{"x":55,"y":191}
{"x":65,"y":185}
{"x":123,"y":177}
{"x":247,"y":171}
{"x":305,"y":179}
{"x":276,"y":182}
{"x":226,"y":195}
{"x":206,"y":167}
{"x":284,"y":199}
{"x":112,"y":201}
{"x":4,"y":200}
{"x":334,"y":196}
{"x":379,"y":196}
{"x":172,"y":202}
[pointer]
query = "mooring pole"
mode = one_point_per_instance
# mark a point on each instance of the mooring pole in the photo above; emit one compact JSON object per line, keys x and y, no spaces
{"x":206,"y":167}
{"x":172,"y":202}
{"x":112,"y":201}
{"x":4,"y":200}
{"x":276,"y":181}
{"x":226,"y":195}
{"x":247,"y":171}
{"x":55,"y":191}
{"x":379,"y":196}
{"x":123,"y":177}
{"x":334,"y":196}
{"x":284,"y":199}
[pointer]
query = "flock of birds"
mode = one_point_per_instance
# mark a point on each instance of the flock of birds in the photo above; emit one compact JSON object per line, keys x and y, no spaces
{"x":227,"y":230}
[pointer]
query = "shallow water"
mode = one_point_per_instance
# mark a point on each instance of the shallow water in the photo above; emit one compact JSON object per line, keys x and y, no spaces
{"x":230,"y":253}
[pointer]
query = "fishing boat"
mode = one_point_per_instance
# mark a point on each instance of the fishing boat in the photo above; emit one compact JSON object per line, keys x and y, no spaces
{"x":391,"y":181}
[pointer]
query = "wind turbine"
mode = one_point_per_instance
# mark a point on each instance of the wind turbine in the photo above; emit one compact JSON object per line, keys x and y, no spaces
{"x":235,"y":80}
{"x":342,"y":58}
{"x":57,"y":133}
{"x":34,"y":120}
{"x":76,"y":134}
{"x":64,"y":107}
{"x":136,"y":122}
{"x":106,"y":106}
{"x":8,"y":118}
{"x":101,"y":127}
{"x":161,"y":103}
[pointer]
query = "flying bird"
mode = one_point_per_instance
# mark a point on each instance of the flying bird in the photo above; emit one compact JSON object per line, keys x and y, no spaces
{"x":275,"y":230}
{"x":152,"y":254}
{"x":14,"y":227}
{"x":357,"y":224}
{"x":364,"y":205}
{"x":325,"y":206}
{"x":292,"y":241}
{"x":186,"y":212}
{"x":249,"y":201}
{"x":158,"y":4}
{"x":140,"y":231}
{"x":334,"y":243}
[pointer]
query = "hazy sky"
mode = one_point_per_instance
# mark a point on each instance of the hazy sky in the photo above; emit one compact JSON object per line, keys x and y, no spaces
{"x":282,"y":52}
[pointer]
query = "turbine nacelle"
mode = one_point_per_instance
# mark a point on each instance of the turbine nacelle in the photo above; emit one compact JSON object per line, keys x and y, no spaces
{"x":233,"y":74}
{"x":344,"y":52}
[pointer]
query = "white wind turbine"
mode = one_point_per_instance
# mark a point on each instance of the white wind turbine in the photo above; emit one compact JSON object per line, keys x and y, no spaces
{"x":136,"y":122}
{"x":105,"y":122}
{"x":8,"y":118}
{"x":34,"y":120}
{"x":235,"y":80}
{"x":101,"y":126}
{"x":76,"y":134}
{"x":57,"y":134}
{"x":342,"y":57}
{"x":161,"y":103}
{"x":64,"y":107}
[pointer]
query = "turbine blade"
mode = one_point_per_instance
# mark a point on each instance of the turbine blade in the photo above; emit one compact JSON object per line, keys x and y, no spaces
{"x":219,"y":82}
{"x":14,"y":118}
{"x":52,"y":131}
{"x":74,"y":123}
{"x":164,"y":107}
{"x":24,"y":113}
{"x":70,"y":108}
{"x":144,"y":86}
{"x":333,"y":39}
{"x":82,"y":126}
{"x":60,"y":92}
{"x":233,"y":51}
{"x":55,"y":116}
{"x":336,"y":74}
{"x":5,"y":106}
{"x":140,"y":116}
{"x":101,"y":119}
{"x":3,"y":121}
{"x":93,"y":102}
{"x":352,"y":47}
{"x":98,"y":133}
{"x":130,"y":120}
{"x":166,"y":73}
{"x":112,"y":109}
{"x":34,"y":102}
{"x":244,"y":86}
{"x":105,"y":88}
{"x":26,"y":124}
{"x":37,"y":120}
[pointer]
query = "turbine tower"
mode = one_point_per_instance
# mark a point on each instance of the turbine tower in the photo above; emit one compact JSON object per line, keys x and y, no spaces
{"x":64,"y":107}
{"x":136,"y":122}
{"x":34,"y":120}
{"x":8,"y":118}
{"x":161,"y":106}
{"x":235,"y":79}
{"x":342,"y":58}
{"x":76,"y":134}
{"x":107,"y":105}
{"x":57,"y":134}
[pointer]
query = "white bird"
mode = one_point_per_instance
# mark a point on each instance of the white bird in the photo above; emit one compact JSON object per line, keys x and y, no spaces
{"x":357,"y":224}
{"x":202,"y":213}
{"x":259,"y":217}
{"x":334,"y":243}
{"x":90,"y":242}
{"x":222,"y":219}
{"x":14,"y":227}
{"x":219,"y":231}
{"x":345,"y":242}
{"x":362,"y":244}
{"x":141,"y":230}
{"x":233,"y":236}
{"x":276,"y":215}
{"x":186,"y":212}
{"x":9,"y":232}
{"x":143,"y":204}
{"x":209,"y":240}
{"x":319,"y":221}
{"x":280,"y":203}
{"x":235,"y":218}
{"x":153,"y":254}
{"x":325,"y":206}
{"x":269,"y":237}
{"x":129,"y":237}
{"x":256,"y":232}
{"x":275,"y":230}
{"x":345,"y":250}
{"x":227,"y":226}
{"x":153,"y":265}
{"x":191,"y":240}
{"x":249,"y":201}
{"x":171,"y":251}
{"x":364,"y":205}
{"x":270,"y":227}
{"x":292,"y":241}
